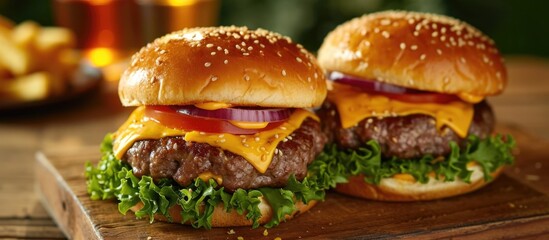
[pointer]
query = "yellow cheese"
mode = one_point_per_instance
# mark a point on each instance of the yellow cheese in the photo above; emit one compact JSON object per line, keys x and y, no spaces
{"x":257,"y":149}
{"x":139,"y":127}
{"x":470,"y":97}
{"x":405,"y":177}
{"x":250,"y":125}
{"x":212,"y":105}
{"x":205,"y":176}
{"x":354,"y":106}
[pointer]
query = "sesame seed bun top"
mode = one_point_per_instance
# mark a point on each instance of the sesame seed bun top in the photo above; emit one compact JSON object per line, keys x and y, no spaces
{"x":232,"y":65}
{"x":416,"y":50}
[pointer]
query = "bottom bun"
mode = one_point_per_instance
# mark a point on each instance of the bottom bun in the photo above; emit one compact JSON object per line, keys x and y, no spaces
{"x":398,"y":190}
{"x":221,"y":218}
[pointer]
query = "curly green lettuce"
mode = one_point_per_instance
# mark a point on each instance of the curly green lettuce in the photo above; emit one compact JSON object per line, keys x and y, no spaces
{"x":335,"y":166}
{"x":113,"y":179}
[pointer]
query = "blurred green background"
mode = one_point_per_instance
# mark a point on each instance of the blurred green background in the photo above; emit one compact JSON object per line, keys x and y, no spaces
{"x":518,"y":27}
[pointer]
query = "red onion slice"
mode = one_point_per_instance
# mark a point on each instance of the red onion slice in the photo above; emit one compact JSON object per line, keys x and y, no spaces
{"x":239,"y":114}
{"x":392,"y":91}
{"x":368,"y":85}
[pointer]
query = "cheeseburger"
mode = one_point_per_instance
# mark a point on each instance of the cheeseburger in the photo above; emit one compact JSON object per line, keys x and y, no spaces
{"x":220,"y":136}
{"x":406,"y":106}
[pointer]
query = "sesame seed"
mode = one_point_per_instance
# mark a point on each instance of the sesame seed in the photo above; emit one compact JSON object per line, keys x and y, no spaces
{"x":376,"y":30}
{"x":402,"y":46}
{"x":257,"y":139}
{"x":207,"y":64}
{"x":298,"y":59}
{"x":276,"y":135}
{"x":209,"y":45}
{"x":250,"y":48}
{"x":243,"y":140}
{"x":226,"y":61}
{"x":221,"y":135}
{"x":219,"y":48}
{"x":280,"y":153}
{"x":283,"y":72}
{"x":462,"y":60}
{"x":256,"y":41}
{"x":282,"y":127}
{"x":416,"y":33}
{"x":238,"y":47}
{"x":278,"y":53}
{"x":385,"y":22}
{"x":226,"y":51}
{"x":316,"y":75}
{"x":385,"y":34}
{"x":212,"y":53}
{"x":243,"y":44}
{"x":162,"y":51}
{"x":498,"y":74}
{"x":245,"y":54}
{"x":276,"y":153}
{"x":246,"y":77}
{"x":246,"y":145}
{"x":214,"y":78}
{"x":413,"y":47}
{"x":223,"y":140}
{"x":422,"y":57}
{"x":285,"y":140}
{"x":308,"y":79}
{"x":202,"y":133}
{"x":442,"y":38}
{"x":434,"y":34}
{"x":485,"y":59}
{"x":439,"y":52}
{"x":261,"y":45}
{"x":367,"y":43}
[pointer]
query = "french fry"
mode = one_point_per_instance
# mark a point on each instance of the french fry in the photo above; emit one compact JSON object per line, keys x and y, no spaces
{"x":6,"y":23}
{"x":55,"y":37}
{"x":30,"y":87}
{"x":13,"y":57}
{"x":35,"y":62}
{"x":25,"y":34}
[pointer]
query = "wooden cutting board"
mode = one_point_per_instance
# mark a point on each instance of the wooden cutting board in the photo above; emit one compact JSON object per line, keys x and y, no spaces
{"x":505,"y":208}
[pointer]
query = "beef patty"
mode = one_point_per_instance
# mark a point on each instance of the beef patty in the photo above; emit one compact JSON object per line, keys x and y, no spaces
{"x":405,"y":137}
{"x":173,"y":157}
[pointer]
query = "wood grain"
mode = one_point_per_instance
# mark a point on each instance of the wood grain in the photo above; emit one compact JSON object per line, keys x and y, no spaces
{"x":504,"y":208}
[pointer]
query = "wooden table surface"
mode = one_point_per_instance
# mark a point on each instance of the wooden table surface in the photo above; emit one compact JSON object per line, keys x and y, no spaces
{"x":83,"y":123}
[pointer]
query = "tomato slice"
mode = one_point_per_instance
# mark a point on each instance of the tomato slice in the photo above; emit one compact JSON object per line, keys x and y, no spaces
{"x":169,"y":117}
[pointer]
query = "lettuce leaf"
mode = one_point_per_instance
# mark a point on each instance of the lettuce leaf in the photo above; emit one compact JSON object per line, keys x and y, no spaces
{"x":113,"y":179}
{"x":334,"y":166}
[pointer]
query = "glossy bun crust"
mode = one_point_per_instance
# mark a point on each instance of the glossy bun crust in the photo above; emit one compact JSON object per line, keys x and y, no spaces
{"x":416,"y":50}
{"x":220,"y":218}
{"x":397,"y":190}
{"x":223,"y":64}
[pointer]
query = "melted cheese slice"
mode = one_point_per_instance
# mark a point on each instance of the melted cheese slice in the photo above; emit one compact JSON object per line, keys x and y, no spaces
{"x":212,"y":105}
{"x":354,"y":105}
{"x":139,"y":127}
{"x":257,"y":149}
